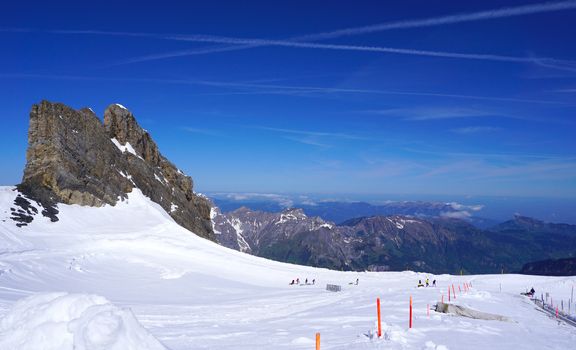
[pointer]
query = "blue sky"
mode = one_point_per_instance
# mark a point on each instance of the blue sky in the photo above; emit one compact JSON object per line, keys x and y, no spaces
{"x":371,"y":97}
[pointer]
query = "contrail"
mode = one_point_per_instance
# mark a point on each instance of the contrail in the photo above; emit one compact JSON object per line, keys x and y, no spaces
{"x":271,"y":87}
{"x":551,"y":62}
{"x":417,"y":23}
{"x":244,"y":43}
{"x":458,"y":18}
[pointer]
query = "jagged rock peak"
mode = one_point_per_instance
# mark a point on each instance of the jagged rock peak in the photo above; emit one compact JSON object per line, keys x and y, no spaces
{"x":73,"y":158}
{"x":121,"y":125}
{"x":297,"y":212}
{"x":69,"y":157}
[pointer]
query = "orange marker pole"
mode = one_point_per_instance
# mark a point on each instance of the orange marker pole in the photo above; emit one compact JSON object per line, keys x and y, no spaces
{"x":379,"y":318}
{"x":410,"y":311}
{"x":317,"y":341}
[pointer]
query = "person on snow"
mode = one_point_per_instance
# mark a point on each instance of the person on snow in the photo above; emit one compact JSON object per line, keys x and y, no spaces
{"x":306,"y":281}
{"x":291,"y":283}
{"x":427,"y":282}
{"x":420,"y":284}
{"x":314,"y":281}
{"x":297,"y":280}
{"x":434,"y":283}
{"x":357,"y":281}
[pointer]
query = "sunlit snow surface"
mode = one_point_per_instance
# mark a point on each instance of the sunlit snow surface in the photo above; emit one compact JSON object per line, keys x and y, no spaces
{"x":190,"y":293}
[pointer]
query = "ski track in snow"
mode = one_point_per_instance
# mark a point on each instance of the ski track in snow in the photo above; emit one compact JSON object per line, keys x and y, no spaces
{"x":193,"y":294}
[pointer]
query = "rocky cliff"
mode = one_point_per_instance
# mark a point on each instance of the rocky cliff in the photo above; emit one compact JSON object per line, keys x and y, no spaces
{"x":74,"y":158}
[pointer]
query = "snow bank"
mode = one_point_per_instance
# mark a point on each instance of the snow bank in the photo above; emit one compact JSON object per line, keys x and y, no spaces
{"x":460,"y":310}
{"x":61,"y":321}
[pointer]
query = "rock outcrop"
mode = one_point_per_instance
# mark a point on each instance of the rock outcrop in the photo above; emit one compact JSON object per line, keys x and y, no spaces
{"x":74,"y":158}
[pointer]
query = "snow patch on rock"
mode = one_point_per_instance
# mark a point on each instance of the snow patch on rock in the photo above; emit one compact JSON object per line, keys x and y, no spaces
{"x":125,"y":148}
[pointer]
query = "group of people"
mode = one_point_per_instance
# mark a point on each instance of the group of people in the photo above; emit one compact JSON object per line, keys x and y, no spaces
{"x":297,"y":281}
{"x":427,"y":283}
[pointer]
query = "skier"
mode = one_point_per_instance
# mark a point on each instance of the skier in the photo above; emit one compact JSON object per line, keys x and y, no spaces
{"x":357,"y":281}
{"x":306,"y":281}
{"x":434,"y":283}
{"x":427,"y":282}
{"x":297,"y":280}
{"x":313,"y":281}
{"x":291,"y":283}
{"x":420,"y":284}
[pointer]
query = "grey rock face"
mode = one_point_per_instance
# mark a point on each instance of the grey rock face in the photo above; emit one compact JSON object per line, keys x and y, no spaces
{"x":70,"y":155}
{"x":73,"y":158}
{"x":289,"y":236}
{"x":396,"y":242}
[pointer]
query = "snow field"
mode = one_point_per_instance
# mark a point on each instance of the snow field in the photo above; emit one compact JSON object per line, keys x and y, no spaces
{"x":190,"y":293}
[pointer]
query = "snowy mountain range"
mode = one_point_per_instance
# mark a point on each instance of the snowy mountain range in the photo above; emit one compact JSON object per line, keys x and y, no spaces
{"x":97,"y":252}
{"x":396,"y":242}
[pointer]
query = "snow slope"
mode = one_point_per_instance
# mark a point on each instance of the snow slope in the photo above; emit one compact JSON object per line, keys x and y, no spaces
{"x":190,"y":293}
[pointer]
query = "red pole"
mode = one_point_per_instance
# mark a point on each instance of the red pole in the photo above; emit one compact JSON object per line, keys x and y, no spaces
{"x":454,"y":292}
{"x":556,"y":311}
{"x":379,"y":319}
{"x":448,"y":293}
{"x":410,"y":311}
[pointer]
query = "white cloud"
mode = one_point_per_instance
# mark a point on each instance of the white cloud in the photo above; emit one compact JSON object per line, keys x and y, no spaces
{"x":475,"y":129}
{"x":433,"y":113}
{"x":456,"y":214}
{"x":207,"y":132}
{"x":463,"y":207}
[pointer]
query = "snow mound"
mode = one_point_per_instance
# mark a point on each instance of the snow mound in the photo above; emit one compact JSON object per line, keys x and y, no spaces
{"x":467,"y":312}
{"x":62,"y":321}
